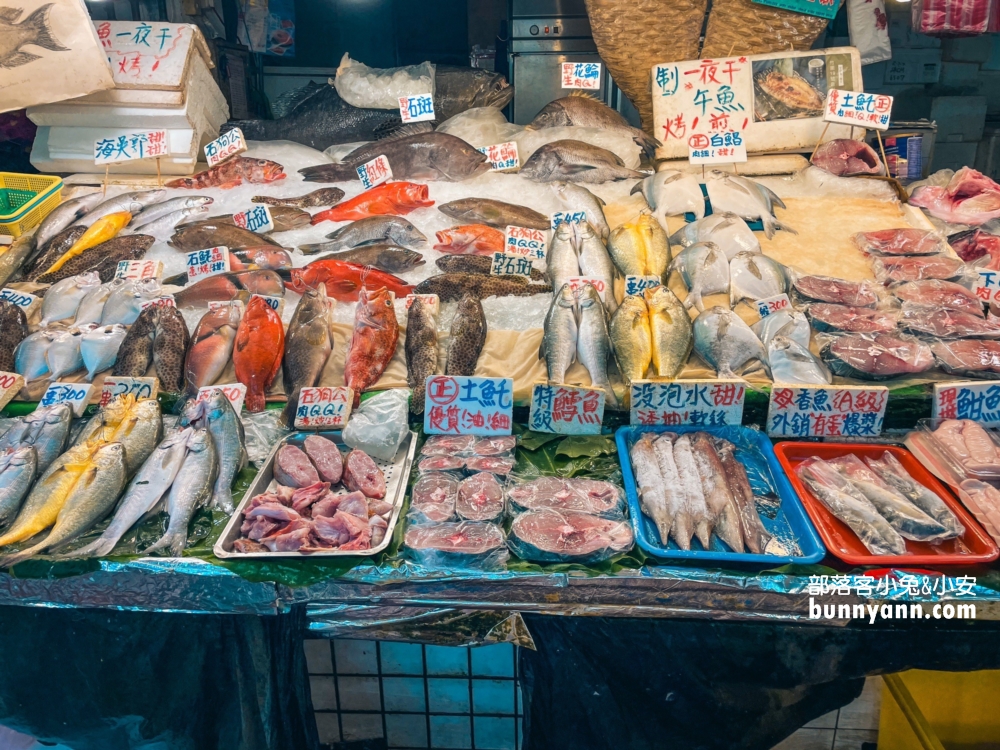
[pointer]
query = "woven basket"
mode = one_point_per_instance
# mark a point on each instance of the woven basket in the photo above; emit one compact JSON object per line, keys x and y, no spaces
{"x":634,"y":36}
{"x":740,"y":27}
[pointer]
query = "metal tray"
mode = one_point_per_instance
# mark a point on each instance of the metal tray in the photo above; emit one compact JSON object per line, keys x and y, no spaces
{"x":397,"y":472}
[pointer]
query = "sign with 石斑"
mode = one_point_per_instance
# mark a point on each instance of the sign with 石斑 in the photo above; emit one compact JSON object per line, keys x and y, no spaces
{"x":257,"y":219}
{"x":208,"y":262}
{"x":416,"y":108}
{"x":826,"y":411}
{"x":566,"y":409}
{"x":146,"y":145}
{"x":702,"y":403}
{"x":858,"y":108}
{"x":459,"y":405}
{"x":979,"y":401}
{"x":510,"y":265}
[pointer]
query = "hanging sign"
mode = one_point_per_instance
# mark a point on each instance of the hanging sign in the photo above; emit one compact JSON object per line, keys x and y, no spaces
{"x":826,"y":411}
{"x":702,"y":403}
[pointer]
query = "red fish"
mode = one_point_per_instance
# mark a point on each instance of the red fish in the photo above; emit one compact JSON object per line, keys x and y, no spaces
{"x":233,"y":173}
{"x":373,"y":343}
{"x":470,"y":239}
{"x":260,"y":344}
{"x":389,"y":198}
{"x":265,"y":257}
{"x":344,"y":280}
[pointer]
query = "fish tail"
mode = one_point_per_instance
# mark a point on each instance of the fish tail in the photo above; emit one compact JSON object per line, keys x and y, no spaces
{"x":287,"y":418}
{"x":770,"y":224}
{"x":175,"y":540}
{"x":417,"y":400}
{"x":98,"y":548}
{"x":222,"y":499}
{"x":637,"y":187}
{"x":703,"y":530}
{"x":39,"y":22}
{"x":646,"y":142}
{"x":255,"y":402}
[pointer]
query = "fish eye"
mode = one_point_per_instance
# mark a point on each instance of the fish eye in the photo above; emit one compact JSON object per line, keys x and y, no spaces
{"x":388,"y":303}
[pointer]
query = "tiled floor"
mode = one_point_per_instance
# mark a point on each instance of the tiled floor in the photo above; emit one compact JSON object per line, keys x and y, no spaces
{"x":846,"y":729}
{"x":415,"y":696}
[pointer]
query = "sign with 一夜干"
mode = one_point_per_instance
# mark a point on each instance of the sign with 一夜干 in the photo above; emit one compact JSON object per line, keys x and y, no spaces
{"x":978,"y":401}
{"x":257,"y":219}
{"x":207,"y":262}
{"x":226,"y":146}
{"x":581,"y":75}
{"x":502,"y":156}
{"x":374,"y":172}
{"x":702,"y":403}
{"x":772,"y":100}
{"x":147,"y":145}
{"x":324,"y":407}
{"x":857,"y":108}
{"x":525,"y":241}
{"x":826,"y":411}
{"x":566,"y":409}
{"x":416,"y":108}
{"x":458,"y":405}
{"x":717,"y":148}
{"x":510,"y":265}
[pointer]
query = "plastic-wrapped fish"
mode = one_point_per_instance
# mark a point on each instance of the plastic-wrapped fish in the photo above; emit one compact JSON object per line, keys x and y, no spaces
{"x":790,"y":323}
{"x":893,"y":473}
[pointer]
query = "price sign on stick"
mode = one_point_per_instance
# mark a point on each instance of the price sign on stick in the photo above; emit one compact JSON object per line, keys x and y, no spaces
{"x":114,"y":386}
{"x":226,"y":146}
{"x":858,"y":109}
{"x":146,"y":145}
{"x":717,"y":148}
{"x":459,"y":405}
{"x":704,"y":403}
{"x":826,"y":411}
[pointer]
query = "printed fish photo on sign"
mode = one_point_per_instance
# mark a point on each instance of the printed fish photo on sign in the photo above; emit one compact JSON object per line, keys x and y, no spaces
{"x":796,"y":87}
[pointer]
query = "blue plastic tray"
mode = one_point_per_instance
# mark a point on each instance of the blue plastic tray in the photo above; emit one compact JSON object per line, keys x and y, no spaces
{"x":792,"y":521}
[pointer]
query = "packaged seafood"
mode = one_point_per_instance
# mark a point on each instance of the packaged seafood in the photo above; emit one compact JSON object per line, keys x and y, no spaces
{"x":947,"y":324}
{"x":835,"y":291}
{"x":907,"y":241}
{"x":970,"y":197}
{"x":940,"y":294}
{"x":464,"y":545}
{"x":480,"y":498}
{"x":974,"y":358}
{"x":877,"y":356}
{"x":547,"y":535}
{"x":845,"y":157}
{"x":890,"y":270}
{"x":448,"y":445}
{"x":972,"y":449}
{"x":826,"y":317}
{"x":585,"y":495}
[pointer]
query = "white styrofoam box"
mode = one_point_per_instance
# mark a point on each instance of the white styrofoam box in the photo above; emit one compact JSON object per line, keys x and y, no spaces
{"x":959,"y":73}
{"x":112,"y":116}
{"x":959,"y":118}
{"x":913,"y":66}
{"x":968,"y":49}
{"x":58,"y":149}
{"x":901,"y":34}
{"x":953,"y":155}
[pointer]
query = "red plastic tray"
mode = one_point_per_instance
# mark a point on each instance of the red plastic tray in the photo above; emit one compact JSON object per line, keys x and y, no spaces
{"x":974,"y":547}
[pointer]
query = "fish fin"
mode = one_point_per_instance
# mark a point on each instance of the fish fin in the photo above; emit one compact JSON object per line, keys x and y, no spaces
{"x":583,"y":94}
{"x":773,"y":196}
{"x":231,"y":184}
{"x":413,"y":128}
{"x":636,"y":188}
{"x":784,"y":227}
{"x":9,"y":15}
{"x":570,"y":169}
{"x":19,"y":58}
{"x":610,"y":397}
{"x":11,"y":560}
{"x":39,"y":21}
{"x":770,"y":225}
{"x":646,"y":142}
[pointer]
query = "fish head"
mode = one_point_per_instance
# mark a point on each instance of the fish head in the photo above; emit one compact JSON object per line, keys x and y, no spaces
{"x":89,"y":280}
{"x":21,"y":456}
{"x":198,"y":200}
{"x":552,"y":115}
{"x":217,"y":404}
{"x":58,"y":413}
{"x":194,"y":410}
{"x":147,"y":288}
{"x":267,"y":283}
{"x":199,"y":440}
{"x":409,"y":234}
{"x":374,"y":307}
{"x":492,"y":89}
{"x":588,"y":297}
{"x":541,"y":165}
{"x":265,"y":170}
{"x":412,"y":192}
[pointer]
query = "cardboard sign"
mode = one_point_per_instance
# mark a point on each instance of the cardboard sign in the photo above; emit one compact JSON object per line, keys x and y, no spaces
{"x":502,"y":156}
{"x":717,"y":148}
{"x":567,"y":217}
{"x":566,"y":409}
{"x":374,"y":172}
{"x":504,"y":264}
{"x":275,"y":303}
{"x":581,"y":75}
{"x":324,"y":407}
{"x":857,"y":108}
{"x":524,"y":241}
{"x":77,"y":395}
{"x":703,"y":403}
{"x":639,"y":284}
{"x":226,"y":146}
{"x":235,"y":392}
{"x":24,"y":300}
{"x":822,"y":8}
{"x":988,"y":288}
{"x":139,"y":269}
{"x":257,"y":219}
{"x":416,"y":108}
{"x":167,"y":300}
{"x":457,"y":405}
{"x":431,"y":300}
{"x":146,"y":145}
{"x":113,"y":387}
{"x":209,"y":262}
{"x":10,"y":384}
{"x":979,"y":401}
{"x":774,"y":304}
{"x":826,"y":411}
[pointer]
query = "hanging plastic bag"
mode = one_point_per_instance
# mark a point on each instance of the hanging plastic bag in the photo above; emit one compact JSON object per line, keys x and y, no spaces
{"x":379,"y":425}
{"x":951,"y":17}
{"x":869,"y":27}
{"x":380,"y":88}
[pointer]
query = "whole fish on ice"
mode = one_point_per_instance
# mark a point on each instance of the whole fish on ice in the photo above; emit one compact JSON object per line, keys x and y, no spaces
{"x":745,"y":198}
{"x":725,"y":229}
{"x":725,"y":342}
{"x":671,"y":193}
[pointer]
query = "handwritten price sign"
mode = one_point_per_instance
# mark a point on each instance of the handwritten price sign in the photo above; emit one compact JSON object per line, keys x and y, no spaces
{"x":374,"y":172}
{"x":566,"y":409}
{"x":581,"y":75}
{"x":275,"y":303}
{"x":717,"y":148}
{"x":523,"y":241}
{"x":772,"y":305}
{"x":639,"y":284}
{"x":468,"y":406}
{"x":209,"y":262}
{"x":576,"y":283}
{"x":431,"y":300}
{"x":857,"y":108}
{"x":139,"y":269}
{"x":25,"y":301}
{"x":166,"y":300}
{"x":324,"y":407}
{"x":988,"y":288}
{"x":146,"y":145}
{"x":502,"y":156}
{"x":256,"y":219}
{"x":235,"y":392}
{"x":568,"y":217}
{"x":77,"y":395}
{"x":416,"y":108}
{"x":961,"y":400}
{"x":703,"y":403}
{"x":226,"y":146}
{"x":10,"y":384}
{"x":510,"y":265}
{"x":113,"y":387}
{"x":813,"y":411}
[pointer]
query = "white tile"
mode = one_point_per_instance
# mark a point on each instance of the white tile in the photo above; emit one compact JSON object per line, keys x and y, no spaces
{"x":355,"y":657}
{"x":852,"y":739}
{"x":361,"y":726}
{"x":359,"y":694}
{"x":324,"y":695}
{"x":807,"y":739}
{"x":826,"y":721}
{"x":863,"y":712}
{"x":318,"y":658}
{"x":327,"y":728}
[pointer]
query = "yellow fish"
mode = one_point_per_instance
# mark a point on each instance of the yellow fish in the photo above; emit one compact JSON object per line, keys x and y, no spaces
{"x":100,"y":231}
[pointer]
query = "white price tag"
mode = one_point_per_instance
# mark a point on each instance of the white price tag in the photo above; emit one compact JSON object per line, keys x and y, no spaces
{"x":502,"y":156}
{"x":10,"y":385}
{"x":505,"y":264}
{"x":858,"y":109}
{"x":24,"y":300}
{"x":702,"y":403}
{"x":114,"y":386}
{"x":459,"y":405}
{"x":978,"y":401}
{"x":772,"y":305}
{"x":209,"y":262}
{"x":235,"y":392}
{"x":324,"y":407}
{"x":567,"y":217}
{"x":275,"y":303}
{"x":77,"y":395}
{"x":566,"y":409}
{"x":416,"y":108}
{"x":166,"y":300}
{"x":580,"y":75}
{"x":717,"y":148}
{"x":374,"y":172}
{"x":826,"y":411}
{"x":226,"y":146}
{"x":431,"y":300}
{"x":524,"y":241}
{"x":146,"y":145}
{"x":256,"y":219}
{"x":139,"y":269}
{"x":639,"y":284}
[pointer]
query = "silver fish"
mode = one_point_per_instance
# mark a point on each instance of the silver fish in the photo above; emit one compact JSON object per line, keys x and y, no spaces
{"x":704,"y":269}
{"x":671,"y":193}
{"x":99,"y":348}
{"x":745,"y":198}
{"x":65,"y":214}
{"x":723,"y":515}
{"x":164,"y":225}
{"x":725,"y":342}
{"x":29,"y":357}
{"x":13,"y":257}
{"x":725,"y":229}
{"x":126,"y":301}
{"x":693,"y":495}
{"x":131,"y":202}
{"x":595,"y":263}
{"x":17,"y":471}
{"x":578,"y":198}
{"x":575,"y":161}
{"x":191,"y":490}
{"x":92,"y":306}
{"x":681,"y":526}
{"x":652,"y":486}
{"x":370,"y":231}
{"x":594,"y":343}
{"x":893,"y":474}
{"x":46,"y":429}
{"x":62,"y":299}
{"x":63,"y":354}
{"x":793,"y":363}
{"x":794,"y":325}
{"x":226,"y":430}
{"x":140,"y":433}
{"x":142,"y":495}
{"x":155,"y":211}
{"x":754,"y":276}
{"x":562,"y":260}
{"x":559,"y":340}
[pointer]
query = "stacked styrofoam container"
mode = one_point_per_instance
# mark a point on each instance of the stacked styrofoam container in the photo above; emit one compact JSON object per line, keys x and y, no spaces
{"x":163,"y":81}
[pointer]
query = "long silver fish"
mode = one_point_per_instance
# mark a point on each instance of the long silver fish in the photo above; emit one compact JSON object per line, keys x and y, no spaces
{"x":704,"y":269}
{"x":559,"y":340}
{"x":670,"y":193}
{"x":164,"y":225}
{"x":562,"y":260}
{"x":578,"y":198}
{"x":652,"y":487}
{"x":793,"y":363}
{"x":725,"y":229}
{"x":724,"y":517}
{"x":131,"y":202}
{"x":226,"y":429}
{"x":155,"y":211}
{"x":149,"y":485}
{"x":191,"y":490}
{"x":681,"y":526}
{"x":725,"y":342}
{"x":13,"y":257}
{"x":370,"y":231}
{"x":65,"y":214}
{"x":62,"y":299}
{"x":595,"y":263}
{"x":693,"y":496}
{"x":754,"y":276}
{"x":17,"y":471}
{"x":594,"y":344}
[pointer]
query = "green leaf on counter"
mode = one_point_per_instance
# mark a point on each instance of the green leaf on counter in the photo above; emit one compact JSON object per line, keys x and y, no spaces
{"x":531,"y":440}
{"x":587,"y":445}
